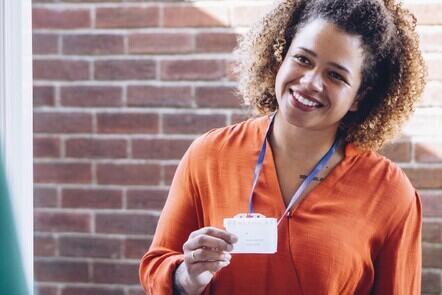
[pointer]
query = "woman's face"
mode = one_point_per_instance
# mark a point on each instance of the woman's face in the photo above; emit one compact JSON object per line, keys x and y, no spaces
{"x":319,"y":77}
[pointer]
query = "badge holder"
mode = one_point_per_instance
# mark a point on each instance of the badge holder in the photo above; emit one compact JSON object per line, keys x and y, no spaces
{"x":256,"y":233}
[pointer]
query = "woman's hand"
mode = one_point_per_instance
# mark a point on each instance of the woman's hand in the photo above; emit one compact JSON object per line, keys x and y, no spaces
{"x":205,"y":253}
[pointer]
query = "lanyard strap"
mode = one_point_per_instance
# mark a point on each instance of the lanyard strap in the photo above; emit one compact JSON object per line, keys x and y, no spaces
{"x":296,"y":196}
{"x":259,"y":163}
{"x":319,"y":166}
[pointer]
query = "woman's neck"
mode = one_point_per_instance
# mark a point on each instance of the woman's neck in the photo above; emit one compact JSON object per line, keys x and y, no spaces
{"x":299,"y":145}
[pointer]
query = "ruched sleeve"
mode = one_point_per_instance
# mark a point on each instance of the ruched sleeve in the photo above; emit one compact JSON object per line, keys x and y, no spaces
{"x":178,"y":219}
{"x":398,"y":264}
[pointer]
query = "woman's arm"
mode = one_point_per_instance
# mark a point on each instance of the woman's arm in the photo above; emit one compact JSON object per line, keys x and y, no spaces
{"x":178,"y":219}
{"x":399,"y":263}
{"x":184,"y":254}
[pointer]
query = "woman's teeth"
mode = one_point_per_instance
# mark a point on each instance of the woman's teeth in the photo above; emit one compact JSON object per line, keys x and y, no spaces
{"x":305,"y":101}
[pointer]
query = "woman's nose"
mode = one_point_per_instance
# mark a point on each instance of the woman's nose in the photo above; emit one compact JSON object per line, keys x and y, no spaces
{"x":312,"y":80}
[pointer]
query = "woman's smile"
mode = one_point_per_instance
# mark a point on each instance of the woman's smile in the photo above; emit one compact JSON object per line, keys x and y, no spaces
{"x":303,"y":102}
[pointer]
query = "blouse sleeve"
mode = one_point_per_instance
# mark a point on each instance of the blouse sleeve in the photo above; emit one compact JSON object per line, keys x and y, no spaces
{"x":178,"y":219}
{"x":398,"y":265}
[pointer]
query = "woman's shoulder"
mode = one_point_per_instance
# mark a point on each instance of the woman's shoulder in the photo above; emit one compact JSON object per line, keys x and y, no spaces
{"x":384,"y":176}
{"x":236,"y":136}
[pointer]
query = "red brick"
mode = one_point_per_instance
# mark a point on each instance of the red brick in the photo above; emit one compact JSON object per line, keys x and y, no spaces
{"x":159,"y":96}
{"x":46,"y":147}
{"x":216,"y":42}
{"x":62,"y":173}
{"x":90,"y":247}
{"x":61,"y":271}
{"x":91,"y":96}
{"x":44,"y":245}
{"x":96,"y":148}
{"x":231,"y":72}
{"x":125,"y":223}
{"x":91,"y":198}
{"x":127,"y":123}
{"x":432,"y":232}
{"x":161,"y":43}
{"x":45,"y":197}
{"x":192,"y":123}
{"x":189,"y":16}
{"x":125,"y":69}
{"x":428,"y":152}
{"x":431,"y":282}
{"x":427,"y":13}
{"x":115,"y":273}
{"x":61,"y":70}
{"x":138,"y":291}
{"x":93,"y":44}
{"x":159,"y":148}
{"x":43,"y":18}
{"x":217,"y":97}
{"x":192,"y":69}
{"x":87,"y":1}
{"x":127,"y":17}
{"x":46,"y":290}
{"x":245,"y":16}
{"x":61,"y":222}
{"x":44,"y":43}
{"x":47,"y":122}
{"x":431,"y":256}
{"x":168,"y":173}
{"x":92,"y":290}
{"x":239,"y":117}
{"x":431,"y":203}
{"x":397,"y":151}
{"x":43,"y":96}
{"x":420,"y":177}
{"x":434,"y":65}
{"x":146,"y":199}
{"x":136,"y":248}
{"x":128,"y":174}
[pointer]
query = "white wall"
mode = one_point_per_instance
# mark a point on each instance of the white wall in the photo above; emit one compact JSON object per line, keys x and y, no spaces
{"x":16,"y":117}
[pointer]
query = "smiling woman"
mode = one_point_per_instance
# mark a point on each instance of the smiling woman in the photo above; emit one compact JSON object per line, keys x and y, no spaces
{"x":334,"y":80}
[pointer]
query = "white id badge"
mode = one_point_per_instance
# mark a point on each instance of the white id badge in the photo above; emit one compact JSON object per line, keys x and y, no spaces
{"x":256,"y":233}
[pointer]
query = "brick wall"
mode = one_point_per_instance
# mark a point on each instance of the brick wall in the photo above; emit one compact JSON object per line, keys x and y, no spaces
{"x":121,"y":88}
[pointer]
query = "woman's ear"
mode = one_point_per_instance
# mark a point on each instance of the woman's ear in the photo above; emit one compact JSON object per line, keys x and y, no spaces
{"x":355,"y":105}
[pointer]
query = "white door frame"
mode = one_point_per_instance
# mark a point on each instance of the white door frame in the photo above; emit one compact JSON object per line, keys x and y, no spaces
{"x":16,"y":119}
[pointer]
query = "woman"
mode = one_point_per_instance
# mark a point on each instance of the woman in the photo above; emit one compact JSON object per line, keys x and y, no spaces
{"x":334,"y":78}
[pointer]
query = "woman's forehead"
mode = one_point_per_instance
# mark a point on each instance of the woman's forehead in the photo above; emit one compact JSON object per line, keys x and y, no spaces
{"x":327,"y":41}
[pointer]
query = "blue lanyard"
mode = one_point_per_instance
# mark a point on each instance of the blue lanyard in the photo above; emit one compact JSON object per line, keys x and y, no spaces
{"x":296,"y":196}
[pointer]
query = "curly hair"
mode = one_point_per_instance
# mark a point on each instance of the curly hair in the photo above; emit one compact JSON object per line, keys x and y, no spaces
{"x":393,"y":76}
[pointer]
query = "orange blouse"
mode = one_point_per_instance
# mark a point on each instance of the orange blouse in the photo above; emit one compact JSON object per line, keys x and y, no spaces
{"x":357,"y":232}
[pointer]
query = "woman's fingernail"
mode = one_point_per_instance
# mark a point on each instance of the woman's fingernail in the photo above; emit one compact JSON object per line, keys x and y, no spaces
{"x":229,"y":247}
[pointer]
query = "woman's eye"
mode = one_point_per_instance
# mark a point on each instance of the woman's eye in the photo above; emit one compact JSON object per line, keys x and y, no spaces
{"x":301,"y":59}
{"x":336,"y":76}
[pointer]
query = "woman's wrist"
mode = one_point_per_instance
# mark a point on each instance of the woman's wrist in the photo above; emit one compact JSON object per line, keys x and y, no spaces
{"x":182,"y":284}
{"x":178,"y":289}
